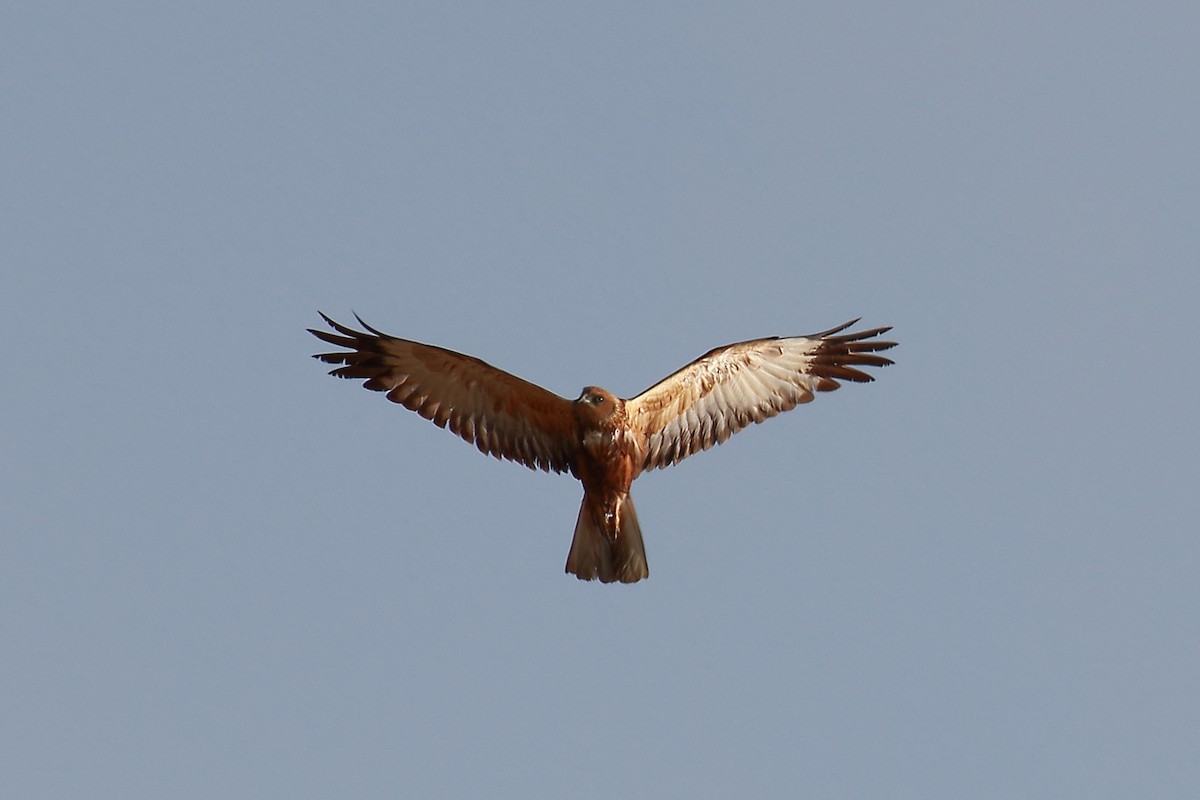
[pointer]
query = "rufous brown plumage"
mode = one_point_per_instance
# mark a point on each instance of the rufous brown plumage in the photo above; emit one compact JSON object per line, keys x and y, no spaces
{"x":601,"y":439}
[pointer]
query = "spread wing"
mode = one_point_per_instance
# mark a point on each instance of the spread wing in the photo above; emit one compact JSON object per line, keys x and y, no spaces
{"x":499,"y":413}
{"x":725,"y":390}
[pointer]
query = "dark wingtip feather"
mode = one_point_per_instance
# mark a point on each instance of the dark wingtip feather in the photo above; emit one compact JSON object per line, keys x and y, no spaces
{"x":839,"y":357}
{"x":831,"y":331}
{"x":344,"y":337}
{"x":367,"y":327}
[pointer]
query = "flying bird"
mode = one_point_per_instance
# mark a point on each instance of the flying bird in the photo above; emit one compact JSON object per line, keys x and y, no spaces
{"x":603,"y":440}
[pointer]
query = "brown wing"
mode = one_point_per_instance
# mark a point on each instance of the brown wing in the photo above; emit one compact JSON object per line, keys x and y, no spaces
{"x":499,"y":413}
{"x":725,"y":390}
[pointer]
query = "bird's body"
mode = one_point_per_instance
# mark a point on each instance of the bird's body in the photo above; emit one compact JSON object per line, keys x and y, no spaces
{"x":603,"y":440}
{"x":608,"y":541}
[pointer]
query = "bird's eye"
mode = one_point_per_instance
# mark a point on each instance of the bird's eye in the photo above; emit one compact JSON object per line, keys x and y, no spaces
{"x":597,"y":399}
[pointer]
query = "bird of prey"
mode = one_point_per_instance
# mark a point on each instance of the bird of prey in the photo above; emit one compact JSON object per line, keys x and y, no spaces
{"x":603,"y":440}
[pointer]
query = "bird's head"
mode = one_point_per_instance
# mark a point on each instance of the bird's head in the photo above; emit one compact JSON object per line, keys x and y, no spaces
{"x":595,"y":404}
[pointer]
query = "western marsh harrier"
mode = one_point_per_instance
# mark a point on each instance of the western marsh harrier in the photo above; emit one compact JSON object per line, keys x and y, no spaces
{"x":601,"y":439}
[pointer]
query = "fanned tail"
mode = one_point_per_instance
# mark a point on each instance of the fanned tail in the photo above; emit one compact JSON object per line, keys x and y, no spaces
{"x":619,"y":556}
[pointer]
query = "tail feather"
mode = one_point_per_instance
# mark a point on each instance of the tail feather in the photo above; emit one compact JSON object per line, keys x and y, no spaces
{"x":595,"y":553}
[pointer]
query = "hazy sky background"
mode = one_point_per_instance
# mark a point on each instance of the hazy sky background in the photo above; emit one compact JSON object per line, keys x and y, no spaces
{"x":225,"y":574}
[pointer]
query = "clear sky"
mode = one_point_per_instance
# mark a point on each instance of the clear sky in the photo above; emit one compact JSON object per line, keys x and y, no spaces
{"x":225,"y":574}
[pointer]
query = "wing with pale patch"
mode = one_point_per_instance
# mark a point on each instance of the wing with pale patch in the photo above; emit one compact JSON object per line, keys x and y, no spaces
{"x":499,"y":413}
{"x":725,"y":390}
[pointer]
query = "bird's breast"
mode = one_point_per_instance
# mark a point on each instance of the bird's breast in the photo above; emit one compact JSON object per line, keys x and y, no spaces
{"x":610,"y":459}
{"x":599,"y":443}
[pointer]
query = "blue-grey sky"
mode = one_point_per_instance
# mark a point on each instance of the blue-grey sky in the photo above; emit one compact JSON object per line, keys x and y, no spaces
{"x":225,"y":574}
